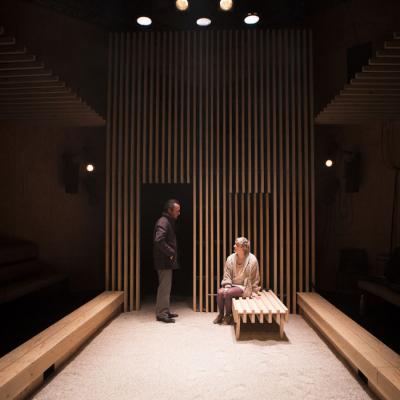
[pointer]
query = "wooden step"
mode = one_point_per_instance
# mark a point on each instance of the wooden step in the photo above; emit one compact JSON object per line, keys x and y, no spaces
{"x":17,"y":66}
{"x":392,"y":44}
{"x":11,"y":50}
{"x":388,"y":53}
{"x":25,"y":73}
{"x":384,"y":61}
{"x":17,"y":57}
{"x":7,"y":40}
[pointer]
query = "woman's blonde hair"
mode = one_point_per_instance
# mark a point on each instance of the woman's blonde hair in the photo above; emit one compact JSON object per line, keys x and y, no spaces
{"x":244,"y":243}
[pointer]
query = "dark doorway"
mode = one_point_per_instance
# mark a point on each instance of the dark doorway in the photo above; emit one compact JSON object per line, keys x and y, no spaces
{"x":153,"y":198}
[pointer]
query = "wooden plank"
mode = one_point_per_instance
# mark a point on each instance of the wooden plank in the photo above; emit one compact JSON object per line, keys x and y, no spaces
{"x":17,"y":66}
{"x":201,"y":175}
{"x":175,"y":114}
{"x":28,"y":368}
{"x":206,"y":174}
{"x":132,"y":175}
{"x":169,"y":108}
{"x":126,"y":174}
{"x":389,"y":382}
{"x":152,"y":79}
{"x":157,"y":109}
{"x":144,"y":132}
{"x":194,"y":166}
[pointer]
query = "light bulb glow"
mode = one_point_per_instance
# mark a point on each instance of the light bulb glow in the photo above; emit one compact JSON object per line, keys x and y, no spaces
{"x":226,"y":5}
{"x":144,"y":21}
{"x":203,"y":21}
{"x":328,"y":163}
{"x":90,"y":168}
{"x":182,"y":5}
{"x":251,"y":19}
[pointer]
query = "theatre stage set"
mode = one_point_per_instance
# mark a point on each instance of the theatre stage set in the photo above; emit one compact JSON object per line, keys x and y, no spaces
{"x":230,"y":115}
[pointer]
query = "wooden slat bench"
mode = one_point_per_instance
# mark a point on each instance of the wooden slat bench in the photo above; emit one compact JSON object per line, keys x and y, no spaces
{"x":265,"y":308}
{"x":364,"y":352}
{"x":22,"y":370}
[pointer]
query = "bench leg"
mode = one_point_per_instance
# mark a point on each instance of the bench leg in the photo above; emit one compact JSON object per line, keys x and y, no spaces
{"x":281,"y":323}
{"x":237,"y":329}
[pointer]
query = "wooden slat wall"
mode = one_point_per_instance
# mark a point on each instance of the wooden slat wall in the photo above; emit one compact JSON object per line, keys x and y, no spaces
{"x":229,"y":112}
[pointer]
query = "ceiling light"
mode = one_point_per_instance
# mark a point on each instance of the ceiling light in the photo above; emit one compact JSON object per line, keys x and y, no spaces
{"x":89,"y":167}
{"x":144,"y":21}
{"x":328,"y":163}
{"x":251,"y":18}
{"x":182,"y":5}
{"x":203,"y":21}
{"x":226,"y":5}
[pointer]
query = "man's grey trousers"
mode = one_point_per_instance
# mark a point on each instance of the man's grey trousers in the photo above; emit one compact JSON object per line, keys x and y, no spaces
{"x":163,"y":292}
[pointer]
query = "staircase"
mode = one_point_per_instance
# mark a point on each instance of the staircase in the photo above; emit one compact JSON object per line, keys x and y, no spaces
{"x":374,"y":93}
{"x":32,"y":92}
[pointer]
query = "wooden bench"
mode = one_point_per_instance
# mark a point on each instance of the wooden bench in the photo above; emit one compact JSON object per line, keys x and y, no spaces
{"x":264,"y":308}
{"x":364,"y":352}
{"x":23,"y":369}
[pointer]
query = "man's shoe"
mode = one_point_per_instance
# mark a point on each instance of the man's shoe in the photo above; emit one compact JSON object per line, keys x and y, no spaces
{"x":165,"y":319}
{"x":173,"y":315}
{"x":219,"y":319}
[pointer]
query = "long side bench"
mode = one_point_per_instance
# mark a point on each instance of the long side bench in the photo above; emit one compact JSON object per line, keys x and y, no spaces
{"x":364,"y":352}
{"x":23,"y":369}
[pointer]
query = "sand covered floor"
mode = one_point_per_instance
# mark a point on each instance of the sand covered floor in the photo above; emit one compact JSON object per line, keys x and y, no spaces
{"x":136,"y":357}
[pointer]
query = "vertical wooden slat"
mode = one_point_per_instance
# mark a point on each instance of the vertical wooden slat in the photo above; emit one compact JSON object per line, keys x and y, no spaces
{"x":231,"y":216}
{"x":267,"y":240}
{"x":207,"y":170}
{"x":241,"y":165}
{"x":294,"y":145}
{"x":114,"y":165}
{"x":194,"y":176}
{"x":119,"y":164}
{"x":132,"y":168}
{"x":110,"y":118}
{"x":201,"y":174}
{"x":263,"y":132}
{"x":287,"y":264}
{"x":270,"y":121}
{"x":299,"y":158}
{"x":312,"y":171}
{"x":281,"y":182}
{"x":157,"y":108}
{"x":230,"y":101}
{"x":306,"y":159}
{"x":144,"y":131}
{"x":236,"y":144}
{"x":217,"y":166}
{"x":249,"y":162}
{"x":152,"y":68}
{"x":181,"y":62}
{"x":164,"y":48}
{"x":188,"y":127}
{"x":138,"y":172}
{"x":169,"y":106}
{"x":256,"y":110}
{"x":126,"y":172}
{"x":176,"y":100}
{"x":224,"y":134}
{"x":213,"y":68}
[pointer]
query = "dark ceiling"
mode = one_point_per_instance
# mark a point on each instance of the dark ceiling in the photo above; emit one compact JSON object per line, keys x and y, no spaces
{"x":120,"y":15}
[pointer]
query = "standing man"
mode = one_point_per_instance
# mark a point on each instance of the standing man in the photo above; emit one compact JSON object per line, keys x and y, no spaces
{"x":165,"y":253}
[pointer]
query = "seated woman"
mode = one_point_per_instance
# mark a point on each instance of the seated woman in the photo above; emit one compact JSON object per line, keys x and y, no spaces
{"x":241,"y":278}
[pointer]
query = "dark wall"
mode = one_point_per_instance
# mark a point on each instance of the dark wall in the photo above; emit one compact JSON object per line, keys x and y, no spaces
{"x":362,"y":219}
{"x":68,"y":228}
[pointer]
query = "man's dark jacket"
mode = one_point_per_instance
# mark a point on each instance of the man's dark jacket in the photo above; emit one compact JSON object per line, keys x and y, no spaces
{"x":164,"y":243}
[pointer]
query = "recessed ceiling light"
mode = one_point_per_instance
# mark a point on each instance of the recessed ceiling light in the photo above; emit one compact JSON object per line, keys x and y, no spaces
{"x":226,"y":5}
{"x":182,"y":5}
{"x":203,"y":21}
{"x":144,"y":21}
{"x":251,"y":18}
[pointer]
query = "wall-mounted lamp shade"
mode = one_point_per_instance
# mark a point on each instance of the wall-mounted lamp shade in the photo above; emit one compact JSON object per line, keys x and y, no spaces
{"x":226,"y":5}
{"x":251,"y":19}
{"x":182,"y":5}
{"x":89,"y":167}
{"x":144,"y":21}
{"x":328,"y":163}
{"x":203,"y":21}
